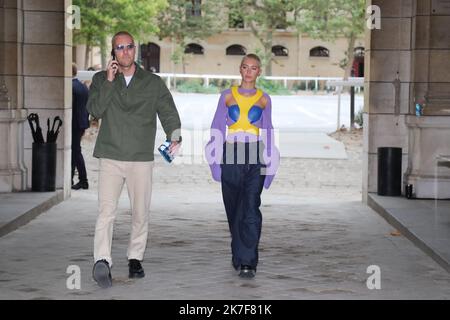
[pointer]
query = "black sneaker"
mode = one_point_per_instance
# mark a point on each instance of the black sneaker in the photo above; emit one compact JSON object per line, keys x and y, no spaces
{"x":81,"y":185}
{"x":247,"y":272}
{"x":135,"y":269}
{"x":102,"y":273}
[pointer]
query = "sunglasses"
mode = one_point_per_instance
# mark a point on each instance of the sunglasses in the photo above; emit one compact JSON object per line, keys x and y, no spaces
{"x":121,"y":47}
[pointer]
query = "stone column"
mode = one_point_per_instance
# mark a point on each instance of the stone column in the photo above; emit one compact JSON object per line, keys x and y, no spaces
{"x":47,"y":73}
{"x":13,"y":172}
{"x":413,"y":43}
{"x":430,"y":134}
{"x":388,"y":77}
{"x":36,"y":69}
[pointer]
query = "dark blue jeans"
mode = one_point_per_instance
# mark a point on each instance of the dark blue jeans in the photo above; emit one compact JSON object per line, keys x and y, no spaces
{"x":242,"y":184}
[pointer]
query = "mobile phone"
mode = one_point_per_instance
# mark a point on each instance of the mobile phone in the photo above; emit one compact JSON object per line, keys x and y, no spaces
{"x":113,"y":54}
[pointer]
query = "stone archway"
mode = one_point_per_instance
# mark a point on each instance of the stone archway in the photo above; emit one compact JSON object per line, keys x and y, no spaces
{"x":358,"y":62}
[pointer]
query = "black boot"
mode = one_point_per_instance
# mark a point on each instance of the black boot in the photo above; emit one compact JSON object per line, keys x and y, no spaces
{"x":81,"y":185}
{"x":135,"y":269}
{"x":247,"y":272}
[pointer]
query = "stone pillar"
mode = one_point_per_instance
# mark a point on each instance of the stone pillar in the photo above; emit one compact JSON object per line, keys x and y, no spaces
{"x":430,"y":133}
{"x":413,"y":45}
{"x":36,"y":69}
{"x":13,"y":172}
{"x":388,"y":77}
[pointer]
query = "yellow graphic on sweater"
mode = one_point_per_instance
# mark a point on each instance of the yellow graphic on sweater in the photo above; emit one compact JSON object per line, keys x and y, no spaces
{"x":245,"y":104}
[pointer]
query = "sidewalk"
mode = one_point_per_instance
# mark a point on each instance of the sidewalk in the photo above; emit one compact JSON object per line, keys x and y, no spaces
{"x":19,"y":208}
{"x":425,"y":222}
{"x":318,"y":240}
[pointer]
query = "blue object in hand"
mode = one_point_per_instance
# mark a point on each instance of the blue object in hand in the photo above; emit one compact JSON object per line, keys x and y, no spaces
{"x":419,"y":110}
{"x":164,"y":150}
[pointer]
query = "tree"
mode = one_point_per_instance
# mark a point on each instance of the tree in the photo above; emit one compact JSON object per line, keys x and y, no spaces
{"x":263,"y":17}
{"x":330,"y":19}
{"x":188,"y":20}
{"x":102,"y":18}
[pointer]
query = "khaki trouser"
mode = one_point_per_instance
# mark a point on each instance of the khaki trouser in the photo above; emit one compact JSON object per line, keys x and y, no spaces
{"x":138,"y":177}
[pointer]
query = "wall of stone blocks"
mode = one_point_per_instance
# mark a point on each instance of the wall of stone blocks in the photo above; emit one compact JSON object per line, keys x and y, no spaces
{"x":37,"y":72}
{"x":388,"y":57}
{"x":413,"y":44}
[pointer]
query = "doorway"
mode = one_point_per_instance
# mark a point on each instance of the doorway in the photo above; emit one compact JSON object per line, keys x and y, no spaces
{"x":150,"y":55}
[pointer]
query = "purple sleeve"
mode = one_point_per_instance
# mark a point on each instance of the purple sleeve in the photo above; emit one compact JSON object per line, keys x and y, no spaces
{"x":214,"y":148}
{"x":271,"y":154}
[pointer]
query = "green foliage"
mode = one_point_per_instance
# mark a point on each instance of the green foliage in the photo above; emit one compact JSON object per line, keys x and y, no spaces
{"x":320,"y":19}
{"x":263,"y":18}
{"x":272,"y":87}
{"x":301,"y":85}
{"x":223,"y":84}
{"x":218,"y":85}
{"x":195,"y":86}
{"x":102,"y":18}
{"x":330,"y":19}
{"x":181,"y":28}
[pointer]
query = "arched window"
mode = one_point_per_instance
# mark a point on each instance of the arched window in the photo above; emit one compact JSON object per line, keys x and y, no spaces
{"x":194,"y":49}
{"x":280,"y":51}
{"x":236,"y":50}
{"x":319,"y":52}
{"x":359,"y":52}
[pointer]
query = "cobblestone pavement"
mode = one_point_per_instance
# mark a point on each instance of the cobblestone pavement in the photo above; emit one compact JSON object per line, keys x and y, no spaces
{"x":318,"y":240}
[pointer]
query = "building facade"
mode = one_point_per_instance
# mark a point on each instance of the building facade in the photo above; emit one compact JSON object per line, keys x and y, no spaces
{"x":293,"y":55}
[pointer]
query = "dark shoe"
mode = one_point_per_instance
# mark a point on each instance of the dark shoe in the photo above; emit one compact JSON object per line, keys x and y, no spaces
{"x":235,"y":267}
{"x":102,"y":274}
{"x":81,"y":185}
{"x":135,"y":269}
{"x":247,"y":272}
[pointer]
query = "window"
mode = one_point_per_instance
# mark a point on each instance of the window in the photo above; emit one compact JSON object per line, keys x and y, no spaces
{"x":194,"y":8}
{"x":236,"y":50}
{"x":319,"y":52}
{"x":280,"y":51}
{"x":359,"y":52}
{"x":194,"y":49}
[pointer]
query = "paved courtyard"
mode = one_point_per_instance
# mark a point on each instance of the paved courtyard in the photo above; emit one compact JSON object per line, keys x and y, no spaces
{"x":318,"y":241}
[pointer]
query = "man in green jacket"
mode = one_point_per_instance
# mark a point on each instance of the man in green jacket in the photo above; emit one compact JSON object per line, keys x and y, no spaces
{"x":127,"y":99}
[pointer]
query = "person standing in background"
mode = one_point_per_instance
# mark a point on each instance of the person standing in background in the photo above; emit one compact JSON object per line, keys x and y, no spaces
{"x":80,"y":122}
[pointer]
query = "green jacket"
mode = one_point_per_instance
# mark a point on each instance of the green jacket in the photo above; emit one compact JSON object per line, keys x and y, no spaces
{"x":128,"y":125}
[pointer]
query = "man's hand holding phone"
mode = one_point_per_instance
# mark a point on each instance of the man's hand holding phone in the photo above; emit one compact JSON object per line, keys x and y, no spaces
{"x":111,"y":70}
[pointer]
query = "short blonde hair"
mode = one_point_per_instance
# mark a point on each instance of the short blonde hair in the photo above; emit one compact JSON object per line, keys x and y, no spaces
{"x":252,"y":56}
